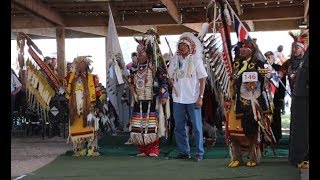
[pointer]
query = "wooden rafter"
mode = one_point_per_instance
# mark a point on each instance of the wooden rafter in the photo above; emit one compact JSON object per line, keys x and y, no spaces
{"x":141,"y":29}
{"x":263,"y":14}
{"x":90,"y":18}
{"x":276,"y":25}
{"x":172,"y":10}
{"x":194,"y":26}
{"x":49,"y":32}
{"x":280,"y":13}
{"x":41,"y":10}
{"x":268,"y":1}
{"x":97,"y":30}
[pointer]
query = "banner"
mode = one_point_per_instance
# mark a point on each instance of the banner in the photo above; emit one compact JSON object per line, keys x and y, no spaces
{"x":115,"y":69}
{"x":45,"y":68}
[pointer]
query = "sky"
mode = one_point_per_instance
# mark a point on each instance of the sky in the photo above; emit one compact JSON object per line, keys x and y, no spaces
{"x":267,"y":41}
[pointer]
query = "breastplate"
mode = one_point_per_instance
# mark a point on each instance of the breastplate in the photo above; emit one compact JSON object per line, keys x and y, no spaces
{"x":143,"y":81}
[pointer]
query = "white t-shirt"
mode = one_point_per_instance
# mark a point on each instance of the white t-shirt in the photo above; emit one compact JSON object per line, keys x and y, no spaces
{"x":15,"y":83}
{"x":187,"y":87}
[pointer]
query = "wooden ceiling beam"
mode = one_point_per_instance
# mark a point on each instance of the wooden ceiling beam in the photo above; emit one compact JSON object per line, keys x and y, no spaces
{"x":96,"y":30}
{"x":276,"y":25}
{"x":69,"y":5}
{"x":114,"y":11}
{"x":194,"y":26}
{"x":28,"y":22}
{"x":141,"y":29}
{"x":277,"y":19}
{"x":127,"y":5}
{"x":172,"y":10}
{"x":276,"y":13}
{"x":48,"y":32}
{"x":267,"y":1}
{"x":154,"y":19}
{"x":173,"y":29}
{"x":126,"y":20}
{"x":259,"y":26}
{"x":69,"y":33}
{"x":126,"y":32}
{"x":41,"y":10}
{"x":24,"y":22}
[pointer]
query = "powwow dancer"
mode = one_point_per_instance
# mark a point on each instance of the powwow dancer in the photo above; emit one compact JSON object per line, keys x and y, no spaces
{"x":299,"y":124}
{"x":83,"y":94}
{"x":251,"y":108}
{"x":290,"y":67}
{"x":298,"y":64}
{"x":247,"y":107}
{"x":149,"y":86}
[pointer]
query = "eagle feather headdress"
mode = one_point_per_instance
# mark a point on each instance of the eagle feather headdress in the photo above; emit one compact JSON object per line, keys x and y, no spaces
{"x":300,"y":38}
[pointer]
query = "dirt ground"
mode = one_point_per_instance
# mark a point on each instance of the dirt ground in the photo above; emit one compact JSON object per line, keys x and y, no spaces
{"x":32,"y":152}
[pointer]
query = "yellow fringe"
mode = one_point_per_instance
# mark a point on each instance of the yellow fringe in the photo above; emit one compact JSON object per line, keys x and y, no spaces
{"x":82,"y":138}
{"x":92,"y":89}
{"x":69,"y":85}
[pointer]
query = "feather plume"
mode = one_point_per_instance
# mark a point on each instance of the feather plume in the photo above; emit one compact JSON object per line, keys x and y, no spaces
{"x":204,"y":30}
{"x":300,"y":37}
{"x":227,"y":15}
{"x":293,"y":36}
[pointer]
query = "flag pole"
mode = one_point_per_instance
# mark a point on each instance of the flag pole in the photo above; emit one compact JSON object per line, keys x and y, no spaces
{"x":240,"y":23}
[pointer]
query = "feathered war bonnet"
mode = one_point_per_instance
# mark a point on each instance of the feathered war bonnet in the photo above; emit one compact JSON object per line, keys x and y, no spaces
{"x":195,"y":51}
{"x":194,"y":44}
{"x":299,"y":38}
{"x":84,"y":59}
{"x":141,"y":40}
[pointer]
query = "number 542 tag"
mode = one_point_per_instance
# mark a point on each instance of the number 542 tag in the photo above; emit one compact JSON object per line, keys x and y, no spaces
{"x":249,"y":76}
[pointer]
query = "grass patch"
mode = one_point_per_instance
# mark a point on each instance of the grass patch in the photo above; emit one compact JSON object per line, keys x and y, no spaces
{"x":285,"y":120}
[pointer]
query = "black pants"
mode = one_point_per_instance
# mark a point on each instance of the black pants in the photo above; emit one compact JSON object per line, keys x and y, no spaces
{"x":299,"y":129}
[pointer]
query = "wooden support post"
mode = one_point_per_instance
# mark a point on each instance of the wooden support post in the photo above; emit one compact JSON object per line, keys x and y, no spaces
{"x":60,"y":34}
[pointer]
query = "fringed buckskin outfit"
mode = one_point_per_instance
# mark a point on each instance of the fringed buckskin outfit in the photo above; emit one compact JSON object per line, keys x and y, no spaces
{"x":150,"y":84}
{"x":249,"y":108}
{"x":82,"y":93}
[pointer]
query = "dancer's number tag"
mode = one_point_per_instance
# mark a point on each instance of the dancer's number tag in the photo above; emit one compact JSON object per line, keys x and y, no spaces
{"x":249,"y":76}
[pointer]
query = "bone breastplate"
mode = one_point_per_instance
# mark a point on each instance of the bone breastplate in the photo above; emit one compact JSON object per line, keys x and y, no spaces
{"x":79,"y":95}
{"x":143,"y":81}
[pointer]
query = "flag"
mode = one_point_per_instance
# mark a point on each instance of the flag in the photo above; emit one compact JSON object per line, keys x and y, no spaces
{"x":274,"y":81}
{"x":241,"y":30}
{"x":115,"y":70}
